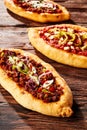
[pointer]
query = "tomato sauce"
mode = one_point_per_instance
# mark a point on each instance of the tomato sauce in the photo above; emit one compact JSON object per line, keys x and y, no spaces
{"x":38,"y":6}
{"x":65,"y":38}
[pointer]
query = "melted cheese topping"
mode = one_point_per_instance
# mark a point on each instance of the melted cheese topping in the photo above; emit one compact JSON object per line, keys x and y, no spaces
{"x":65,"y":38}
{"x":40,"y":6}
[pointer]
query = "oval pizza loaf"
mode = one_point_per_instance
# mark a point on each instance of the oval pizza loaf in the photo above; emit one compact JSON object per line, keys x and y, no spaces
{"x":64,"y":43}
{"x":34,"y":84}
{"x":41,"y":11}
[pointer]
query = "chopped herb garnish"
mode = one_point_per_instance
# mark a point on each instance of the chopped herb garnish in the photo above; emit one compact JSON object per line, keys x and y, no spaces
{"x":19,"y":65}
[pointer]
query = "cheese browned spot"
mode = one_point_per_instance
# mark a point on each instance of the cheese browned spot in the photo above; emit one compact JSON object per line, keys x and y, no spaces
{"x":31,"y":75}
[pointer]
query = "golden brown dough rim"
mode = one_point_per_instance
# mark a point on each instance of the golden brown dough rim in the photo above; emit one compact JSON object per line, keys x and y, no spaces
{"x":43,"y":17}
{"x":59,"y":108}
{"x":58,"y":55}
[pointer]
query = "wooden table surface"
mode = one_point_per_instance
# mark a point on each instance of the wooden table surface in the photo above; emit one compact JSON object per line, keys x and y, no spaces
{"x":13,"y":33}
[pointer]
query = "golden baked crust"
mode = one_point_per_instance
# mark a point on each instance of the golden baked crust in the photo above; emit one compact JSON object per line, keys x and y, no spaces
{"x":59,"y":108}
{"x":42,"y":17}
{"x":54,"y":53}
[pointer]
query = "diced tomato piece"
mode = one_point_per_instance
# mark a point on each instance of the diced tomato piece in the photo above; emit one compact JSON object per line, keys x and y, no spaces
{"x":52,"y":89}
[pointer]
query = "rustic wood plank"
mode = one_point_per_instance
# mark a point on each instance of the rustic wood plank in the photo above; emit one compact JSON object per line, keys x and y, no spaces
{"x":9,"y":119}
{"x":76,"y":8}
{"x":10,"y":37}
{"x":13,"y":33}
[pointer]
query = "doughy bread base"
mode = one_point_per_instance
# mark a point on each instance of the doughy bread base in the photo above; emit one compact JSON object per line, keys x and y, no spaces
{"x":54,"y":53}
{"x":59,"y":108}
{"x":42,"y":17}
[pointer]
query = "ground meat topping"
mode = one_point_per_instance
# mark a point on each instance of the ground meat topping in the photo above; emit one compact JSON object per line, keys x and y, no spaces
{"x":39,"y":6}
{"x":31,"y":75}
{"x":65,"y":38}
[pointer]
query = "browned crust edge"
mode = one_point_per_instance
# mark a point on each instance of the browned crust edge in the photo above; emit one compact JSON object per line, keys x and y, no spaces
{"x":43,"y":17}
{"x":59,"y":108}
{"x":58,"y":55}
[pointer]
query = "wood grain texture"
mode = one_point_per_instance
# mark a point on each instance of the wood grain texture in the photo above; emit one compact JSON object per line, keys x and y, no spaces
{"x":13,"y":33}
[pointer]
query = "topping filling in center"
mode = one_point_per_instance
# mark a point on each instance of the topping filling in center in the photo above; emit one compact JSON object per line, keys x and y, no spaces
{"x":31,"y":76}
{"x":65,"y":38}
{"x":38,"y":6}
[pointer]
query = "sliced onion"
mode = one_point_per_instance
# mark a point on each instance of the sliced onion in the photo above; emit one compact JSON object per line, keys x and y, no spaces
{"x":35,"y":78}
{"x":33,"y":69}
{"x":48,"y":83}
{"x":44,"y":74}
